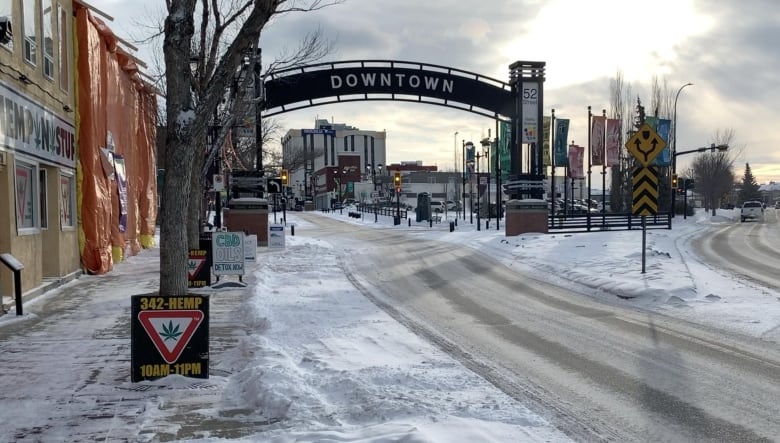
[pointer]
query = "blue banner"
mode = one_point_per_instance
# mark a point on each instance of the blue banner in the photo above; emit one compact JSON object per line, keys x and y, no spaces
{"x":663,"y":129}
{"x":561,"y":143}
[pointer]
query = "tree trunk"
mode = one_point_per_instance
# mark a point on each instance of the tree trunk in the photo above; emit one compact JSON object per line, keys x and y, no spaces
{"x":196,"y":196}
{"x":173,"y":218}
{"x":179,"y":28}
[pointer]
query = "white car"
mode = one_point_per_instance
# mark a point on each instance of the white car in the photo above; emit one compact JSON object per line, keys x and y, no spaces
{"x":437,"y":207}
{"x":752,"y":210}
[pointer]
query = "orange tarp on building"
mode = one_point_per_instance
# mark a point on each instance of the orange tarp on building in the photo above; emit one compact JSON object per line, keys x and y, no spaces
{"x":116,"y":129}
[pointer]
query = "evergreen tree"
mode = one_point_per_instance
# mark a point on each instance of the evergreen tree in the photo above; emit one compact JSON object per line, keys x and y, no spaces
{"x":750,"y":187}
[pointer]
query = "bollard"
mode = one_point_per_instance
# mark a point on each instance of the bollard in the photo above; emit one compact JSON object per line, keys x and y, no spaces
{"x":410,"y":222}
{"x":430,"y":222}
{"x":456,"y":222}
{"x":452,"y":226}
{"x":487,"y":224}
{"x":292,"y":230}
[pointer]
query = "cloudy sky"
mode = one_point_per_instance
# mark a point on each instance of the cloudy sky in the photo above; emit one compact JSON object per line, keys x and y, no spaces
{"x":725,"y":48}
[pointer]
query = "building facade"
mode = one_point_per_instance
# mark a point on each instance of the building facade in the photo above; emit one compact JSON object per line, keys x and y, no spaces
{"x":38,"y":205}
{"x":326,"y":161}
{"x":77,"y":130}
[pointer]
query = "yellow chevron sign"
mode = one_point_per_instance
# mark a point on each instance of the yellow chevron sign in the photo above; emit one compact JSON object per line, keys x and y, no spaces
{"x":645,"y":144}
{"x":645,"y":195}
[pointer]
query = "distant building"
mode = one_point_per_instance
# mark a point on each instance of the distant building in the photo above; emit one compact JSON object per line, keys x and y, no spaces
{"x":325,"y":161}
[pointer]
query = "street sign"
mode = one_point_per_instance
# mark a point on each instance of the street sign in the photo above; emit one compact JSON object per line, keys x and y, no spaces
{"x":247,"y":181}
{"x":275,"y":185}
{"x":645,"y":195}
{"x":219,"y":185}
{"x":645,"y":144}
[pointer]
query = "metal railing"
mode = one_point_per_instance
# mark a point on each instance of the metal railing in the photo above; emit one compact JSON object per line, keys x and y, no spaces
{"x":609,"y":221}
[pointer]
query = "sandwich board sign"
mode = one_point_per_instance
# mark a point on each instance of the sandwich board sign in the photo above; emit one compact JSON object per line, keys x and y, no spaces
{"x":169,"y":335}
{"x":198,"y":272}
{"x":250,"y":248}
{"x":227,"y":250}
{"x":275,"y":236}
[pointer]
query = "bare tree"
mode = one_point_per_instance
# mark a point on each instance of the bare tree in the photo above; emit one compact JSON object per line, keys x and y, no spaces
{"x":713,"y":171}
{"x":186,"y":121}
{"x":621,"y":108}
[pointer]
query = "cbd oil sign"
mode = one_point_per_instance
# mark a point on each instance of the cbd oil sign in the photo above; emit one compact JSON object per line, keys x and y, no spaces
{"x":169,"y":335}
{"x":228,"y":253}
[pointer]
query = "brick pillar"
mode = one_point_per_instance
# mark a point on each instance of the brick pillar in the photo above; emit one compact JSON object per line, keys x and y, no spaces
{"x":249,"y":215}
{"x":525,"y":216}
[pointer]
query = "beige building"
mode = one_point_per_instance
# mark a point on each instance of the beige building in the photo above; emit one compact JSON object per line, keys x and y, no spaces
{"x":324,"y":162}
{"x":38,"y":223}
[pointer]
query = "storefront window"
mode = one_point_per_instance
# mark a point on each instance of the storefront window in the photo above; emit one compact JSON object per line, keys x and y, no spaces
{"x":67,"y":201}
{"x":26,"y":191}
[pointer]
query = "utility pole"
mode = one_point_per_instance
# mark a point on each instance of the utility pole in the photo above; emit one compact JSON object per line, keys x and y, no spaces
{"x":258,"y":110}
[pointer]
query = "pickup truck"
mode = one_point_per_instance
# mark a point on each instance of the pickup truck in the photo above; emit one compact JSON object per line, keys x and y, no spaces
{"x":752,"y":210}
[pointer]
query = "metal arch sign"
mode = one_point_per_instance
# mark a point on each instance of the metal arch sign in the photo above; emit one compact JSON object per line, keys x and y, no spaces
{"x":387,"y":80}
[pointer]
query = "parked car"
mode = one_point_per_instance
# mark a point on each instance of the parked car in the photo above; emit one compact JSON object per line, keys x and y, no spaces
{"x":437,"y":206}
{"x":451,"y":205}
{"x":576,"y":209}
{"x":777,"y":204}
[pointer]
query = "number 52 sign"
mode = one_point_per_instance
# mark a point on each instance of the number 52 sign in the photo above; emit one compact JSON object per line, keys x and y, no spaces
{"x":530,"y":91}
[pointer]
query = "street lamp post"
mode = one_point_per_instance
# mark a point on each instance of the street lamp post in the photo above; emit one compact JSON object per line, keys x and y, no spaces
{"x":674,"y":141}
{"x":486,"y":154}
{"x":467,"y":161}
{"x":455,"y":149}
{"x":340,"y":177}
{"x":462,"y":200}
{"x":478,"y":156}
{"x":372,"y":169}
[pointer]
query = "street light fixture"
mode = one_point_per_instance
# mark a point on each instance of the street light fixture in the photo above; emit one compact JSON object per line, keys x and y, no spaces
{"x":372,"y":169}
{"x":674,"y":141}
{"x":712,"y":148}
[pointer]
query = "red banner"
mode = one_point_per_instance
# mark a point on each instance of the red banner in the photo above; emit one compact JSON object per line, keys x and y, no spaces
{"x":613,"y":142}
{"x":576,"y":158}
{"x":597,"y":140}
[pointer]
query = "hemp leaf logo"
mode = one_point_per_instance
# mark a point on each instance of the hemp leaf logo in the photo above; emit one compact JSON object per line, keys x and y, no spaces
{"x":170,"y":332}
{"x":191,"y":265}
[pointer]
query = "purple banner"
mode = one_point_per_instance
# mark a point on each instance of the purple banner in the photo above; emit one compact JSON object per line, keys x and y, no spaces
{"x":121,"y":184}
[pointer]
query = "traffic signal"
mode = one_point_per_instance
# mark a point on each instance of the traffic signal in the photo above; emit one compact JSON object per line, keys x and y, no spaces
{"x":284,"y":177}
{"x":674,"y":181}
{"x":397,"y":180}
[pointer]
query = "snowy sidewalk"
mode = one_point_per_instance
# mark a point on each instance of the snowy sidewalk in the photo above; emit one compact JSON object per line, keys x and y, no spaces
{"x":297,"y":355}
